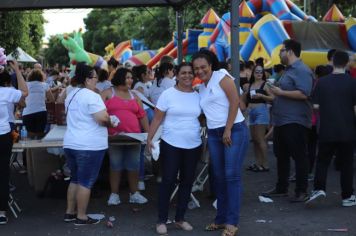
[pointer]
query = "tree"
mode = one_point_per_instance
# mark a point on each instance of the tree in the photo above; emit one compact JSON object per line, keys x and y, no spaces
{"x":56,"y":52}
{"x":22,"y":29}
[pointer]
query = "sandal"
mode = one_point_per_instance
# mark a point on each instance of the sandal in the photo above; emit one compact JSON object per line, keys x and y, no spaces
{"x":184,"y":225}
{"x":214,"y":227}
{"x":230,"y":231}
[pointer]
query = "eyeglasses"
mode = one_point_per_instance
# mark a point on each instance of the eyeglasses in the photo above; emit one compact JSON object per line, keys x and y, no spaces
{"x":282,"y":50}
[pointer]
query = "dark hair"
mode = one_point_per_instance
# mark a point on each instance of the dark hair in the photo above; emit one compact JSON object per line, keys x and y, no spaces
{"x":162,"y":70}
{"x":5,"y":78}
{"x":119,"y":78}
{"x":82,"y":72}
{"x":242,"y":65}
{"x":102,"y":75}
{"x":295,"y":46}
{"x":53,"y":72}
{"x":321,"y":71}
{"x":36,"y":75}
{"x":137,"y":72}
{"x":113,"y":62}
{"x":252,"y":78}
{"x":250,"y":65}
{"x":215,"y":64}
{"x":340,"y":59}
{"x":260,"y":61}
{"x":278,"y":68}
{"x":224,"y":65}
{"x":183,"y":64}
{"x":330,"y":54}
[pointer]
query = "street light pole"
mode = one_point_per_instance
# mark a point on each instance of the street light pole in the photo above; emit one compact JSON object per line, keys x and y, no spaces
{"x":235,"y":42}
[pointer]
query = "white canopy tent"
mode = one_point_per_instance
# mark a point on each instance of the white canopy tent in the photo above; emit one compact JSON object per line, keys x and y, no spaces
{"x":20,"y":56}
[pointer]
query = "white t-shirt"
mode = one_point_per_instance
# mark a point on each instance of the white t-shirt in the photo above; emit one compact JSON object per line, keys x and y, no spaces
{"x":83,"y":132}
{"x":11,"y":110}
{"x":155,"y":91}
{"x":181,"y":127}
{"x":36,"y":99}
{"x":101,"y":86}
{"x":145,"y":86}
{"x":7,"y":96}
{"x":214,"y":102}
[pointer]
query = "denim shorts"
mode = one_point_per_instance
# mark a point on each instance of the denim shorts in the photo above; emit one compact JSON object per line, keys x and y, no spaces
{"x":84,"y":166}
{"x":125,"y":157}
{"x":259,"y":115}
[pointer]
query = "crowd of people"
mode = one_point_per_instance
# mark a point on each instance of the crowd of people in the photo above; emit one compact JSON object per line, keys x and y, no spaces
{"x":310,"y":114}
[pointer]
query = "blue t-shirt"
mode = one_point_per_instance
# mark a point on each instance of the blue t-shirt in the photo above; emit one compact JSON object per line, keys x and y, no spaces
{"x":286,"y":110}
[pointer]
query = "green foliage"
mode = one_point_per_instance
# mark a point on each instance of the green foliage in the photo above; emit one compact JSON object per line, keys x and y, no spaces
{"x":22,"y":29}
{"x":56,"y":52}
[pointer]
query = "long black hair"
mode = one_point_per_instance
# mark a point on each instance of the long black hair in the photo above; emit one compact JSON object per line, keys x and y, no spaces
{"x":162,"y":70}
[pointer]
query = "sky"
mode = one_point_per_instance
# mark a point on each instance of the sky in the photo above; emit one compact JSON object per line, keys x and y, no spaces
{"x":63,"y":21}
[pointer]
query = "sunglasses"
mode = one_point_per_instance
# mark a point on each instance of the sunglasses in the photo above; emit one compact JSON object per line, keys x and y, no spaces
{"x":259,"y":71}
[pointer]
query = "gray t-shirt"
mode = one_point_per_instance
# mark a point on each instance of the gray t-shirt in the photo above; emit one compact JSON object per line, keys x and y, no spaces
{"x":286,"y":110}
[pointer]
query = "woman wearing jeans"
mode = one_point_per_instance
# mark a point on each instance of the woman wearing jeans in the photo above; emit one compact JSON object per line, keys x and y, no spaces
{"x":180,"y":148}
{"x":7,"y":95}
{"x":227,"y":140}
{"x":85,"y":142}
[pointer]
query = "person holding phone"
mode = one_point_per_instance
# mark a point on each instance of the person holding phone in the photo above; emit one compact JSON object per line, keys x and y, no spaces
{"x":257,"y":97}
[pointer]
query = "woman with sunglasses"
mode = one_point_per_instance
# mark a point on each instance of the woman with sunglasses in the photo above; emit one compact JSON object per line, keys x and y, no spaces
{"x":257,"y":97}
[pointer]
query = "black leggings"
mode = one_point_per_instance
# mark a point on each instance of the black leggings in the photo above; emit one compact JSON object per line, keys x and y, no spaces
{"x":35,"y":122}
{"x":5,"y":154}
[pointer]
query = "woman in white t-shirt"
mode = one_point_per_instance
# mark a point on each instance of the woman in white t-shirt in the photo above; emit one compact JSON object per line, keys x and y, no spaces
{"x":7,"y":96}
{"x":164,"y":80}
{"x":180,"y":148}
{"x":85,"y":142}
{"x":227,"y":140}
{"x":34,"y":115}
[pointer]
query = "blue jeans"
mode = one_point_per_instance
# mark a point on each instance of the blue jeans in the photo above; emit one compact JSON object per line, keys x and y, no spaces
{"x":227,"y":163}
{"x":84,"y":166}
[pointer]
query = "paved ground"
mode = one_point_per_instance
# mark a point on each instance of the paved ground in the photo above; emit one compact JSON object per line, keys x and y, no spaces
{"x":44,"y":216}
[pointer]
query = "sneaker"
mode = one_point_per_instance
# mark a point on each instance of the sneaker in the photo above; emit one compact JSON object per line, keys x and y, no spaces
{"x":316,"y":195}
{"x":161,"y":229}
{"x":114,"y":199}
{"x":274,"y":193}
{"x":3,"y":220}
{"x":159,"y":179}
{"x":89,"y":221}
{"x":351,"y":201}
{"x":141,"y":185}
{"x":69,"y":217}
{"x":137,"y":198}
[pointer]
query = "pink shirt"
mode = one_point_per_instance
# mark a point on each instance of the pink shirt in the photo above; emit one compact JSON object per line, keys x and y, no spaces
{"x":128,"y":111}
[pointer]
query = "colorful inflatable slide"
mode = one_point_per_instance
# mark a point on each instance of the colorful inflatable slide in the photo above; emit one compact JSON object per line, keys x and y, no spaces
{"x":265,"y":24}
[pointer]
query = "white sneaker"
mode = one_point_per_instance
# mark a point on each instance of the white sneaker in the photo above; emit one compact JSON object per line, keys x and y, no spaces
{"x":137,"y":198}
{"x":315,"y":196}
{"x":141,"y":185}
{"x":114,"y":199}
{"x":351,"y":201}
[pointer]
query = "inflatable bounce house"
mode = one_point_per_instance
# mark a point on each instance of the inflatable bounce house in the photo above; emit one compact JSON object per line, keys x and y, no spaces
{"x":265,"y":24}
